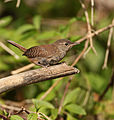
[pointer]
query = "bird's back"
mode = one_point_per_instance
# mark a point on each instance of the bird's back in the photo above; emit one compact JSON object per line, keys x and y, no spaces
{"x":41,"y":51}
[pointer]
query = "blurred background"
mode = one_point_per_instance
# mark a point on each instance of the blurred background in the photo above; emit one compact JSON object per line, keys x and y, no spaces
{"x":37,"y":22}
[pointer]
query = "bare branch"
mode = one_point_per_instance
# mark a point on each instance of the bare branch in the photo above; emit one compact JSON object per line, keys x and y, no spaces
{"x":7,"y":0}
{"x":9,"y":50}
{"x":23,"y":69}
{"x":81,"y":54}
{"x":65,"y":92}
{"x":92,"y":12}
{"x":89,"y":26}
{"x":18,"y":3}
{"x":108,"y":45}
{"x":37,"y":75}
{"x":50,"y":89}
{"x":95,"y":33}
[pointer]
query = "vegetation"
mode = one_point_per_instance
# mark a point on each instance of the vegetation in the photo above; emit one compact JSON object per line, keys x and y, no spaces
{"x":88,"y":95}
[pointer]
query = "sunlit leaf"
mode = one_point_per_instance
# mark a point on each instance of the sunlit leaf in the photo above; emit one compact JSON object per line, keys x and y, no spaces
{"x":73,"y":108}
{"x":71,"y":96}
{"x":16,"y":117}
{"x":38,"y":104}
{"x":24,"y":28}
{"x":5,"y":21}
{"x":70,"y":117}
{"x":32,"y":116}
{"x":54,"y":113}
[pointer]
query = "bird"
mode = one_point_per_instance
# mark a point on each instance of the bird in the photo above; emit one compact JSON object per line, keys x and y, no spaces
{"x":46,"y":55}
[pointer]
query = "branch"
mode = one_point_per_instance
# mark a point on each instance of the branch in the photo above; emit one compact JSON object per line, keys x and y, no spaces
{"x":108,"y":46}
{"x":18,"y":3}
{"x":107,"y":88}
{"x":88,"y":26}
{"x":23,"y":68}
{"x":9,"y":50}
{"x":95,"y":33}
{"x":37,"y":75}
{"x":92,"y":12}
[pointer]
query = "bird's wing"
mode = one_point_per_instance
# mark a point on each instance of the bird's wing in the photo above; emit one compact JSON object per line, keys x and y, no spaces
{"x":41,"y":51}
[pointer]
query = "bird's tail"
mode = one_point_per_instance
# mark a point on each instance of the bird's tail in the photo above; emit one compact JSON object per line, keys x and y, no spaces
{"x":17,"y":45}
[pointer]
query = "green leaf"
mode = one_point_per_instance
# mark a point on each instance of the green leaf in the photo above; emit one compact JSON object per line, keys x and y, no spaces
{"x":32,"y":116}
{"x":71,"y":96}
{"x":5,"y":21}
{"x":16,"y":117}
{"x":70,"y":117}
{"x":37,"y":21}
{"x":49,"y":97}
{"x":24,"y":28}
{"x":73,"y":108}
{"x":38,"y":104}
{"x":54,"y":113}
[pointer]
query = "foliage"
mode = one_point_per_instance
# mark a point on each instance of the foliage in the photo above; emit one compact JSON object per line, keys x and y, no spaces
{"x":30,"y":30}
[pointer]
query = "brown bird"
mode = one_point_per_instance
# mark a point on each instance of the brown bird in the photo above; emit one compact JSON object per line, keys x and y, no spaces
{"x":46,"y":55}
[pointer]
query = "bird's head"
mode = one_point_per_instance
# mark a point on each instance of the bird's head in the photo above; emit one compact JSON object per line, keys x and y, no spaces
{"x":65,"y":44}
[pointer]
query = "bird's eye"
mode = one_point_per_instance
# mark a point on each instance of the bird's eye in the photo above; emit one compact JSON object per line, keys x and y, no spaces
{"x":66,"y":44}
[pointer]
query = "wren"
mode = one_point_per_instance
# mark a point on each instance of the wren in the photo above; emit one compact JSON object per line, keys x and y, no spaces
{"x":46,"y":55}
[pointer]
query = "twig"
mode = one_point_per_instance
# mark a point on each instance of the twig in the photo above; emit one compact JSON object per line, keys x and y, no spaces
{"x":81,"y":54}
{"x":4,"y":117}
{"x":89,"y":26}
{"x":86,"y":52}
{"x":92,"y":12}
{"x":107,"y":88}
{"x":22,"y":69}
{"x":10,"y":107}
{"x":50,"y":89}
{"x":9,"y":50}
{"x":7,"y":0}
{"x":87,"y":93}
{"x":37,"y":75}
{"x":18,"y":3}
{"x":44,"y":116}
{"x":96,"y":33}
{"x":108,"y":46}
{"x":20,"y":110}
{"x":113,"y":91}
{"x":65,"y":91}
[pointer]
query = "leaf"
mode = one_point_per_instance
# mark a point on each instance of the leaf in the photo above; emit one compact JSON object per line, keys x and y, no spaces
{"x":24,"y":28}
{"x":71,"y":96}
{"x":37,"y":22}
{"x":54,"y":113}
{"x":73,"y":108}
{"x":32,"y":116}
{"x":16,"y":117}
{"x":49,"y":97}
{"x":5,"y":21}
{"x":38,"y":104}
{"x":70,"y":117}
